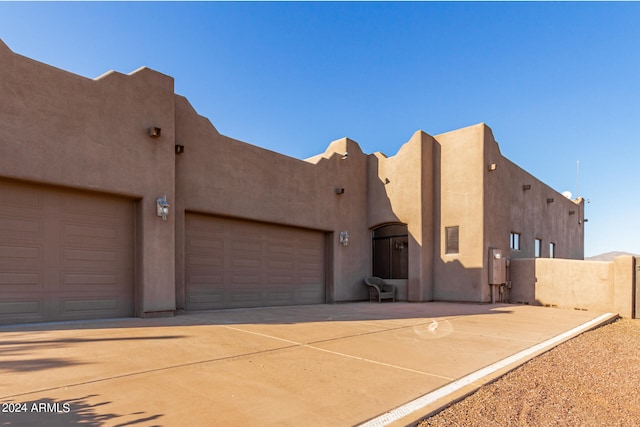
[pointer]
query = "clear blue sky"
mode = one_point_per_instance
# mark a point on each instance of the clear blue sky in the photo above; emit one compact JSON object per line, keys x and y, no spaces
{"x":557,"y":82}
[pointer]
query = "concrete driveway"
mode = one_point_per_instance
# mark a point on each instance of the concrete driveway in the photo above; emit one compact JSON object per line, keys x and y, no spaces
{"x":338,"y":365}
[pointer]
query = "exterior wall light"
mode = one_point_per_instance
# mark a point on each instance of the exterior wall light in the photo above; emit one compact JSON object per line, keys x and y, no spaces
{"x":339,"y":190}
{"x":179,"y":149}
{"x":572,"y":212}
{"x":344,"y":238}
{"x":345,"y":156}
{"x":526,"y":187}
{"x":550,"y":200}
{"x":492,"y":166}
{"x":162,"y":207}
{"x":154,"y":132}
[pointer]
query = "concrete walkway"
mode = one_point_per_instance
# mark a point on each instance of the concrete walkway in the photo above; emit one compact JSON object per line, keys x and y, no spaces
{"x":320,"y":365}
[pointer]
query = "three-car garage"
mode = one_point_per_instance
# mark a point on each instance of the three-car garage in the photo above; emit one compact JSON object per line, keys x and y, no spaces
{"x":67,"y":254}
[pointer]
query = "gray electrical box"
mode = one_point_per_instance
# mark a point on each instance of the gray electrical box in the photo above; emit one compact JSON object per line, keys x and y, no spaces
{"x":497,"y":267}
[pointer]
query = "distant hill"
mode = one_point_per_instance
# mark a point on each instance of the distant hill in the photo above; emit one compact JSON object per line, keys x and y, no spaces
{"x":609,"y":256}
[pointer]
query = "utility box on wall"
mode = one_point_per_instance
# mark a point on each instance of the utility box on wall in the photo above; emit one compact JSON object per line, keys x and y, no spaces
{"x":497,"y":267}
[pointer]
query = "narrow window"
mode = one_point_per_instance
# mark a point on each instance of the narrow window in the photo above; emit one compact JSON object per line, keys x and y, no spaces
{"x":552,"y":250}
{"x":538,"y":248}
{"x":514,"y":242}
{"x":452,"y":238}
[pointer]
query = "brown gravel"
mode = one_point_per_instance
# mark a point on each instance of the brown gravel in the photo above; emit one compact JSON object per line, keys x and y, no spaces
{"x":591,"y":380}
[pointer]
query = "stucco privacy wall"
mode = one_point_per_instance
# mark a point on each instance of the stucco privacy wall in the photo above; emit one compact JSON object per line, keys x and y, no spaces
{"x":574,"y":284}
{"x":67,"y":130}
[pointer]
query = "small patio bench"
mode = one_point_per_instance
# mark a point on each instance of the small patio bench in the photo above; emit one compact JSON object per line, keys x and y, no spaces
{"x":379,"y":289}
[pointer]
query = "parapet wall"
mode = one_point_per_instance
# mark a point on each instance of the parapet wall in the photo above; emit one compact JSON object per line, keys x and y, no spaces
{"x":574,"y":284}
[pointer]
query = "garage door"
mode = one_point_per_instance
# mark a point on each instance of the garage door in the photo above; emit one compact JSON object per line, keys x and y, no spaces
{"x":64,"y":254}
{"x":234,"y":263}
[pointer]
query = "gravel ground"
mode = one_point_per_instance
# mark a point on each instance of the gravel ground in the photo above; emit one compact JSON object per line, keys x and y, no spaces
{"x":591,"y":380}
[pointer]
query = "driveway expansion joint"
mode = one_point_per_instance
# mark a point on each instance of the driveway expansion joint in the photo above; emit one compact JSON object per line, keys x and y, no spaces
{"x":148,"y":371}
{"x":363,"y":359}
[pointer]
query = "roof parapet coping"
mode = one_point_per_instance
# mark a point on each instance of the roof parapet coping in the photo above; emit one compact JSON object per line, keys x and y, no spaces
{"x":465,"y":129}
{"x":108,"y":74}
{"x":416,"y":136}
{"x":4,"y":48}
{"x":340,"y":147}
{"x":151,"y":76}
{"x":183,"y":102}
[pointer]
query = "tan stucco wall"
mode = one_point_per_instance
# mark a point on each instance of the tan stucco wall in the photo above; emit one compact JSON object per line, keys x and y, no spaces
{"x":623,"y":286}
{"x":92,"y":134}
{"x":510,"y":208}
{"x":62,"y":129}
{"x":400,"y":190}
{"x":574,"y":284}
{"x":222,"y":176}
{"x":450,"y":175}
{"x":458,"y":191}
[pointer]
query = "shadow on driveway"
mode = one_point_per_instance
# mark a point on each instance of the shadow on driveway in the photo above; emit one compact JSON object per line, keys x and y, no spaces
{"x":342,"y":312}
{"x":14,"y":353}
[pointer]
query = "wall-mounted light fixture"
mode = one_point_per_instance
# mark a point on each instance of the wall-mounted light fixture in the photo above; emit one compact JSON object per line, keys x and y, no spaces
{"x":162,"y":207}
{"x":550,"y":200}
{"x":345,"y":156}
{"x":179,"y":149}
{"x":344,"y":238}
{"x":154,"y":132}
{"x":386,"y":180}
{"x":339,"y":190}
{"x":572,"y":212}
{"x":492,"y":166}
{"x":526,"y":187}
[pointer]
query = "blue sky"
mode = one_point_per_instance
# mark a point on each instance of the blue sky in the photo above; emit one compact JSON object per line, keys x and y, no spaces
{"x":557,"y":82}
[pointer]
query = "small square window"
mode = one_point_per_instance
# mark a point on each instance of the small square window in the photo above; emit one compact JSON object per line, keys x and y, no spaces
{"x":538,"y":248}
{"x":514,"y":242}
{"x":552,"y":250}
{"x":452,"y":238}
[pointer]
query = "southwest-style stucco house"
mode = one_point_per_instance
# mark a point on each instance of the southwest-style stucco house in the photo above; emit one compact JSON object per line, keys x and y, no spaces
{"x":85,"y":165}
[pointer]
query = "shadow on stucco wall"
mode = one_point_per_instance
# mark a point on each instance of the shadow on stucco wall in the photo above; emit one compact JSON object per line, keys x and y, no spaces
{"x":458,"y":283}
{"x":380,"y":212}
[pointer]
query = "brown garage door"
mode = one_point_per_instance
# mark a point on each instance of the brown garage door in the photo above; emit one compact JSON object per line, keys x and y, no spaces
{"x":64,"y":254}
{"x":234,"y":263}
